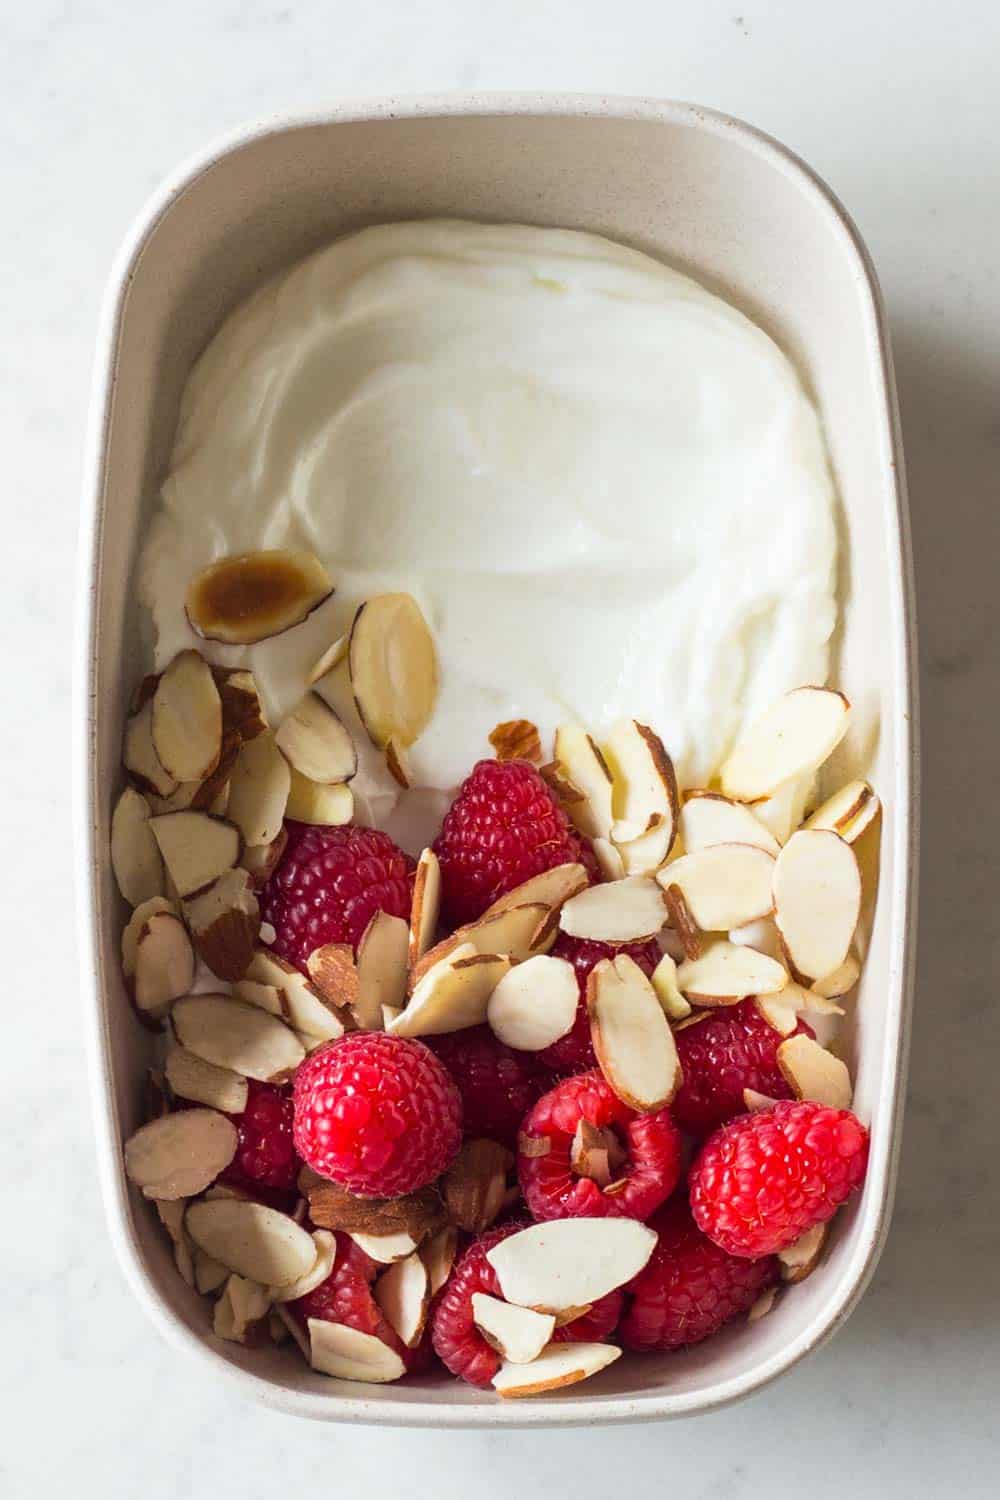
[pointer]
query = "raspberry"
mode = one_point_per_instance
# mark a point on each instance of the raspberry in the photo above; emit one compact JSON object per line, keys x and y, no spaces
{"x":498,"y":1085}
{"x":652,"y":1146}
{"x":346,"y":1297}
{"x":329,"y":884}
{"x":377,"y":1114}
{"x":689,"y":1287}
{"x":731,"y":1051}
{"x":503,"y":827}
{"x":764,"y":1179}
{"x":574,"y":1052}
{"x":265,"y":1152}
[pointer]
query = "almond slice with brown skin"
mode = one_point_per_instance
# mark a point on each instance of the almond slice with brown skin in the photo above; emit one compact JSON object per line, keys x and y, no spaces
{"x":254,"y":595}
{"x":426,"y":909}
{"x":333,"y":1207}
{"x":763,"y":1305}
{"x":516,"y":739}
{"x":534,"y":1004}
{"x":315,"y":742}
{"x":180,"y":1154}
{"x":551,"y":888}
{"x":347,"y":1354}
{"x":398,"y":765}
{"x":724,"y":885}
{"x":197,"y":848}
{"x":394,"y":669}
{"x":453,"y":994}
{"x":193,"y":1078}
{"x":306,"y":1008}
{"x":558,"y":1366}
{"x":164,"y":965}
{"x":622,"y":911}
{"x":516,"y":1333}
{"x":644,"y":795}
{"x":140,"y":758}
{"x":817,"y":901}
{"x":255,"y":1241}
{"x":242,"y":711}
{"x":475,"y":1184}
{"x":632,"y":1038}
{"x":813,"y":1073}
{"x":583,"y":765}
{"x":726,"y":973}
{"x":326,"y":1257}
{"x":322,"y":806}
{"x":790,"y":739}
{"x":667,"y":990}
{"x":800,"y":1260}
{"x":386,"y":1248}
{"x":708,"y":818}
{"x":596,"y":1154}
{"x":518,"y":931}
{"x":848,"y":812}
{"x":224,"y":922}
{"x":135,"y":854}
{"x":403,"y":1294}
{"x":683,"y":927}
{"x":135,"y":926}
{"x":187,"y":718}
{"x":570,"y":1262}
{"x":334,"y":973}
{"x":438,"y":1254}
{"x":261,"y":860}
{"x":241,"y":1037}
{"x":381,"y":966}
{"x":258,"y":790}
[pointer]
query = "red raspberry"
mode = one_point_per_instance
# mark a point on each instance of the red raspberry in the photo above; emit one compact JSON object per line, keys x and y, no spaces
{"x":498,"y":1085}
{"x":377,"y":1114}
{"x":652,"y":1144}
{"x":764,"y":1179}
{"x":503,"y":827}
{"x":265,"y":1152}
{"x":346,"y":1297}
{"x":735,"y":1049}
{"x":574,"y":1052}
{"x":689,"y":1287}
{"x":329,"y":884}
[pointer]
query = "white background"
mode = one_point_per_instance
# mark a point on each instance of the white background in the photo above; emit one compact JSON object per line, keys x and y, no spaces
{"x":898,"y":107}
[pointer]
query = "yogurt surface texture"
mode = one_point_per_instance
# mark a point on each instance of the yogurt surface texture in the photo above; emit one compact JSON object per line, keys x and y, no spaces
{"x":606,"y":487}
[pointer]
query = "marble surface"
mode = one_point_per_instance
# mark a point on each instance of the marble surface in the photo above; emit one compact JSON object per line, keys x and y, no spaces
{"x":896,"y":105}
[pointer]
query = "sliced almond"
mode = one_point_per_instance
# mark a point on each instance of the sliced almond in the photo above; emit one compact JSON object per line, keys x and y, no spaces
{"x":534,"y":1004}
{"x":609,"y":859}
{"x":180,"y":1154}
{"x":209,"y":1274}
{"x":398,"y":765}
{"x":242,"y":712}
{"x":474,"y":1185}
{"x":315,"y":742}
{"x":291,"y":1325}
{"x":762,"y":935}
{"x":240,"y":1310}
{"x":331,"y":658}
{"x":723,"y":885}
{"x":187,"y":718}
{"x":334,"y":973}
{"x":560,"y":785}
{"x":558,"y":1366}
{"x":790,"y":739}
{"x":799,"y":1260}
{"x":171,"y":1212}
{"x":570,"y":1262}
{"x":135,"y":926}
{"x":386,"y":1248}
{"x":347,"y":1354}
{"x":781,"y":1010}
{"x":726,"y":973}
{"x":667,"y":990}
{"x":763,"y":1305}
{"x":438,"y":1254}
{"x":232,"y":1035}
{"x":381,"y":968}
{"x":135,"y":854}
{"x":224,"y":922}
{"x":551,"y":888}
{"x":306,"y":1008}
{"x":644,"y":795}
{"x":817,"y":901}
{"x":632,"y":1038}
{"x":840,"y":981}
{"x":322,"y":1267}
{"x":249,"y":597}
{"x":684,"y":929}
{"x":813,"y":1073}
{"x":258,"y":790}
{"x":848,"y":812}
{"x":517,"y":1333}
{"x":708,"y":818}
{"x":261,"y":860}
{"x":517,"y":739}
{"x":253,"y":1240}
{"x":264,"y":996}
{"x":333,"y":1207}
{"x":191,"y":1077}
{"x":519,"y":932}
{"x":754,"y":1102}
{"x":620,"y":911}
{"x":583,"y":765}
{"x":196,"y":848}
{"x":596,"y":1154}
{"x":453,"y":994}
{"x":322,"y":806}
{"x":394,"y":670}
{"x":403,"y":1294}
{"x":140,"y":758}
{"x":164,"y":965}
{"x":426,"y":909}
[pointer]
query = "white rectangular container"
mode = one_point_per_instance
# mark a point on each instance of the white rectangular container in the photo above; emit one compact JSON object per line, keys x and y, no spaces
{"x":711,"y":196}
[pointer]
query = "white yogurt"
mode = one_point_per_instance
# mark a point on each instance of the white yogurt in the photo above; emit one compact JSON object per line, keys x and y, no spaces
{"x":606,"y":486}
